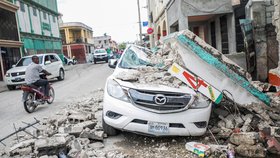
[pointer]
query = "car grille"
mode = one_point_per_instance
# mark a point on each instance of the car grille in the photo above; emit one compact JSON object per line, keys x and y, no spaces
{"x":100,"y":56}
{"x":18,"y":80}
{"x":168,"y":101}
{"x":17,"y":74}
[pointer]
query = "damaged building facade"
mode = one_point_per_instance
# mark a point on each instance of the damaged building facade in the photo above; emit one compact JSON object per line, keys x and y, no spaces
{"x":218,"y":24}
{"x":10,"y":43}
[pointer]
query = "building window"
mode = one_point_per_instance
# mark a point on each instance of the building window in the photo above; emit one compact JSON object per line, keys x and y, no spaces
{"x":22,"y":8}
{"x":34,"y":11}
{"x":54,"y":19}
{"x":213,"y":34}
{"x":224,"y":34}
{"x":105,"y":41}
{"x":45,"y":15}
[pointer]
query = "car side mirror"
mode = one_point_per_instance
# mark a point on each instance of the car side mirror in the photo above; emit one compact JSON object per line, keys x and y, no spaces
{"x":113,"y":63}
{"x":47,"y":62}
{"x":13,"y":65}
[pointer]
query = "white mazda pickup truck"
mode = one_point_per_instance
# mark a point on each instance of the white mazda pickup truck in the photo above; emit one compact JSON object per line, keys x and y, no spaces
{"x":150,"y":109}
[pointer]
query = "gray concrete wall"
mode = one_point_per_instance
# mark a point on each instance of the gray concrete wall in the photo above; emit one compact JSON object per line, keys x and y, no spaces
{"x":173,"y":13}
{"x":231,"y":33}
{"x":205,"y":7}
{"x":238,"y":58}
{"x":269,"y":8}
{"x":276,"y":23}
{"x":259,"y":17}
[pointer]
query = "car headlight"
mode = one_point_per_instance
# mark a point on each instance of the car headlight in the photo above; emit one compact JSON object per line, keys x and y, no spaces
{"x":200,"y":102}
{"x":8,"y":74}
{"x":116,"y":91}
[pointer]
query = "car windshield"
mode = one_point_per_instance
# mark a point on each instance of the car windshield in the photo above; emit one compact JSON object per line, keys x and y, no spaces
{"x":27,"y":60}
{"x":136,"y":57}
{"x":98,"y":51}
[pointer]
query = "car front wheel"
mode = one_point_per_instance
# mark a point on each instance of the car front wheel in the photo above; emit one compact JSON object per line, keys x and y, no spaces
{"x":61,"y":75}
{"x":108,"y":129}
{"x":10,"y":87}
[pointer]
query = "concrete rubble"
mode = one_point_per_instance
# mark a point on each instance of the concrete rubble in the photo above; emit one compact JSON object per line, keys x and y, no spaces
{"x":233,"y":124}
{"x":72,"y":132}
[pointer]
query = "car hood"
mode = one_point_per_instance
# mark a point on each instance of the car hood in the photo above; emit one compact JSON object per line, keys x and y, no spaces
{"x":17,"y":69}
{"x":146,"y":86}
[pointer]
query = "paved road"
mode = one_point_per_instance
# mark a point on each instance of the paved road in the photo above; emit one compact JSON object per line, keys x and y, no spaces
{"x":80,"y":80}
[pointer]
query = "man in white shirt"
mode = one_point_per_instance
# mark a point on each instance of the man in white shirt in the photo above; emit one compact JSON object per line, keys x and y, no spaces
{"x":32,"y":76}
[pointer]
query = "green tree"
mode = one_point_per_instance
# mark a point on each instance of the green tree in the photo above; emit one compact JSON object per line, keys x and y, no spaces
{"x":122,"y":46}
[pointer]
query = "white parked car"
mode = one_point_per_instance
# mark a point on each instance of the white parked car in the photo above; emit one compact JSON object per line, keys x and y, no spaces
{"x":99,"y":55}
{"x":148,"y":109}
{"x":50,"y":62}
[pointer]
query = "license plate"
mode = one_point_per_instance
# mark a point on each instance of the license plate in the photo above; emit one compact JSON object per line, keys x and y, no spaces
{"x":18,"y":78}
{"x":158,"y":127}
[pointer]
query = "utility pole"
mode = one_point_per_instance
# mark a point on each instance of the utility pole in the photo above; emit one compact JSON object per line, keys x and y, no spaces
{"x":140,"y":25}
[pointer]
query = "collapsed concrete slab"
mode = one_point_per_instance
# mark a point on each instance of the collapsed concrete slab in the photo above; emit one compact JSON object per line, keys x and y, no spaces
{"x":212,"y":66}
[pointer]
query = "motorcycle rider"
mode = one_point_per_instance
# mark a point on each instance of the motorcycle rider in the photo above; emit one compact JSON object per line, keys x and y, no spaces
{"x":32,"y":76}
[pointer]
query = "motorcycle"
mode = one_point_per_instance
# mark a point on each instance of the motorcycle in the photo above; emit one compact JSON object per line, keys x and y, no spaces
{"x":33,"y":96}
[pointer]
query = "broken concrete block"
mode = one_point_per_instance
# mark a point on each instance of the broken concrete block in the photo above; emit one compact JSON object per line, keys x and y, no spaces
{"x":76,"y":145}
{"x":84,"y":141}
{"x":249,"y":138}
{"x":133,"y":75}
{"x":96,"y":145}
{"x":274,"y":116}
{"x":93,"y":134}
{"x":23,"y":144}
{"x":247,"y":150}
{"x":221,"y":124}
{"x":78,"y":117}
{"x":76,"y":130}
{"x":224,"y":133}
{"x":248,"y":119}
{"x":21,"y":151}
{"x":114,"y":154}
{"x":86,"y":124}
{"x":52,"y":142}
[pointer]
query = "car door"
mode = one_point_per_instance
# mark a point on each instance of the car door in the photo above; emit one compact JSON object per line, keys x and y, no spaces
{"x":55,"y":65}
{"x":48,"y":65}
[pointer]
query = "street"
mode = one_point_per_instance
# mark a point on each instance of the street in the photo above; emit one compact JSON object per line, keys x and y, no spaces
{"x":79,"y":80}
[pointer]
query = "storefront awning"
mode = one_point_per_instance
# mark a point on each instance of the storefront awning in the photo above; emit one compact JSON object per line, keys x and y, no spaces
{"x":12,"y":44}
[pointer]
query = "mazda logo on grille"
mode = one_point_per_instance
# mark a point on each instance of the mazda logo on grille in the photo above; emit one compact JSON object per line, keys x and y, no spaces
{"x":160,"y":99}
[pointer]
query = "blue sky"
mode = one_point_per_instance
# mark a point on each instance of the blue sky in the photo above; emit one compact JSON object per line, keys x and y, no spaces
{"x":117,"y":18}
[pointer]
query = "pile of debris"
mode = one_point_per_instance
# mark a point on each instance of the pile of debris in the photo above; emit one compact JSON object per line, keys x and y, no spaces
{"x":251,"y":130}
{"x":72,"y":132}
